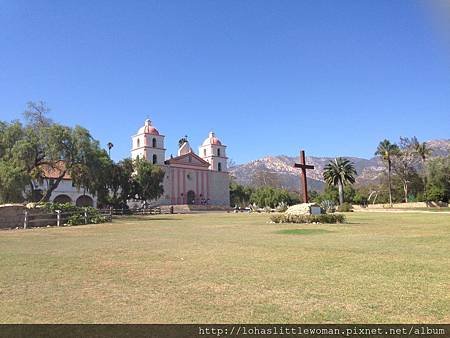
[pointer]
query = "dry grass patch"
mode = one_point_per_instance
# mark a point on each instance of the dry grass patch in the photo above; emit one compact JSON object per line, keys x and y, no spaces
{"x":379,"y":267}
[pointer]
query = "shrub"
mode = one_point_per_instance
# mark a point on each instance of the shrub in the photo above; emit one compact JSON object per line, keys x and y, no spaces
{"x":282,"y":207}
{"x":76,"y":219}
{"x":323,"y":218}
{"x":93,"y":217}
{"x":63,"y":207}
{"x":328,"y":206}
{"x":77,"y":213}
{"x":278,"y":218}
{"x":345,"y":207}
{"x":360,"y":199}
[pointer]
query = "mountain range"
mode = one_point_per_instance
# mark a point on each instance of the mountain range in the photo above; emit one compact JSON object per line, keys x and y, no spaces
{"x":283,"y":166}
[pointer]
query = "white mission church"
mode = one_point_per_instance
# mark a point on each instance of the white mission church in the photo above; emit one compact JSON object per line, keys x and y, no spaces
{"x":190,"y":178}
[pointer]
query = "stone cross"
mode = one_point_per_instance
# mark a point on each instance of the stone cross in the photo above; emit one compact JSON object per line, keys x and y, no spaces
{"x":302,"y":165}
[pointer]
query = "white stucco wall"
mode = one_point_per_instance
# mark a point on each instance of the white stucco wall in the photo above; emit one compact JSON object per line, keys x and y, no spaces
{"x":145,"y":150}
{"x":210,"y":154}
{"x":65,"y":187}
{"x":219,"y":188}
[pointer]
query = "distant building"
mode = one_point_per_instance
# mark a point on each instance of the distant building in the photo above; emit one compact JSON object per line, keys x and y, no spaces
{"x":190,"y":178}
{"x":66,"y":192}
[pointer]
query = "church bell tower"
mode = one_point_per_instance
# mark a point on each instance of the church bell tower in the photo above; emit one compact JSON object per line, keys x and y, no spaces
{"x":213,"y":151}
{"x":148,"y":144}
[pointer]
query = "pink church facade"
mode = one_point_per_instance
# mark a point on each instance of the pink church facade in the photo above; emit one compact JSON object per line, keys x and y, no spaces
{"x":190,"y":178}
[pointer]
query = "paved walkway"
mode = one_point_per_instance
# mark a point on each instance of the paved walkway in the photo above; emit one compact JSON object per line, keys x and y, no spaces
{"x":402,"y":210}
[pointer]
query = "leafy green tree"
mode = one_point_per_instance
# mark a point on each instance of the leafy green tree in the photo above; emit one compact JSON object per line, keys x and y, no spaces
{"x":13,"y":171}
{"x":80,"y":155}
{"x":294,"y":197}
{"x":314,"y":196}
{"x":423,"y":152}
{"x":386,"y":150}
{"x":349,"y":194}
{"x":270,"y":197}
{"x":404,"y":163}
{"x":12,"y":183}
{"x":29,"y":152}
{"x":95,"y":174}
{"x":359,"y":198}
{"x":340,"y":172}
{"x":121,"y":183}
{"x":331,"y":193}
{"x":240,"y":195}
{"x":438,"y":179}
{"x":149,"y":179}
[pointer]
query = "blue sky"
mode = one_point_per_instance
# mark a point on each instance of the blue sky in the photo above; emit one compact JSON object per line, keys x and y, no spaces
{"x":269,"y":77}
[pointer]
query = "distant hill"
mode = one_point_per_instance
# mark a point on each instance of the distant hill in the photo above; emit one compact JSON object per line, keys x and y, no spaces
{"x":368,"y":170}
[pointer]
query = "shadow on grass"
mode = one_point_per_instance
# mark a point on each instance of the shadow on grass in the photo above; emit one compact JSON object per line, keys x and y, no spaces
{"x":302,"y":231}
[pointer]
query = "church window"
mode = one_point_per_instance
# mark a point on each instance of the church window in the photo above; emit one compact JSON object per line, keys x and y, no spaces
{"x":155,"y":159}
{"x":138,"y":143}
{"x":219,"y":166}
{"x":154,"y":143}
{"x":137,"y":157}
{"x":204,"y":152}
{"x":218,"y":152}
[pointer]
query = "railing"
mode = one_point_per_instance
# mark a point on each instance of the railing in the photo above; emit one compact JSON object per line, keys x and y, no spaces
{"x":30,"y":219}
{"x":59,"y":218}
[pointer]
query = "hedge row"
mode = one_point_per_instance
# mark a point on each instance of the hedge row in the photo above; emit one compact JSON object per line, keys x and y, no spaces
{"x":323,"y":218}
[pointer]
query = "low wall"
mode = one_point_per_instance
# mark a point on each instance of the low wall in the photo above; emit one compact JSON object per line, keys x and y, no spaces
{"x":11,"y":216}
{"x":402,"y":205}
{"x":188,"y":208}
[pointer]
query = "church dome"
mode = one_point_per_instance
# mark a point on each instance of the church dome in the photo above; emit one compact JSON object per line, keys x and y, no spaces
{"x":212,"y":139}
{"x":147,"y":128}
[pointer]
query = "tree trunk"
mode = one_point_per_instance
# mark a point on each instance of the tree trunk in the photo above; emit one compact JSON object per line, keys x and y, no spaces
{"x":405,"y":190}
{"x":51,"y":188}
{"x":389,"y":183}
{"x":32,"y":192}
{"x":424,"y":179}
{"x":341,"y":193}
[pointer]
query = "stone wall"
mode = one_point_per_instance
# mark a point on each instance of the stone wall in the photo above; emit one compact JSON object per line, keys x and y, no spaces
{"x":185,"y":208}
{"x":11,"y":216}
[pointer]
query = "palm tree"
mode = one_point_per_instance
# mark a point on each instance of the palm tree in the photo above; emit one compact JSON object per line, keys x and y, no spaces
{"x":422,"y":151}
{"x":182,"y":141}
{"x":386,"y":150}
{"x":340,"y":172}
{"x":110,"y":145}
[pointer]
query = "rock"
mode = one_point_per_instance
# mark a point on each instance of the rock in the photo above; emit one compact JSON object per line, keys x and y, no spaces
{"x":301,"y":209}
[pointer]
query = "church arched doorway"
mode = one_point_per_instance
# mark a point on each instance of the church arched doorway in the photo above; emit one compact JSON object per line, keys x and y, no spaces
{"x":190,"y":197}
{"x":85,"y":201}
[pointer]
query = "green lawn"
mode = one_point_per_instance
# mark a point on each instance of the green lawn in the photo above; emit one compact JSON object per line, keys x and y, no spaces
{"x":380,"y":267}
